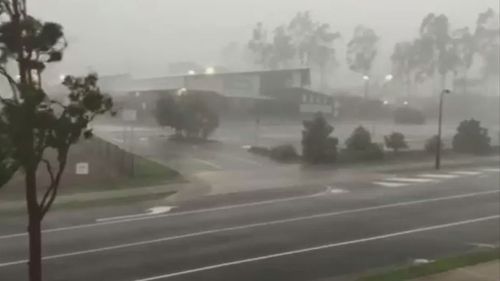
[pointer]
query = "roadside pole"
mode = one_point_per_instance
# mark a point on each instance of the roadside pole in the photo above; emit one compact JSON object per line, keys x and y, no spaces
{"x":440,"y":125}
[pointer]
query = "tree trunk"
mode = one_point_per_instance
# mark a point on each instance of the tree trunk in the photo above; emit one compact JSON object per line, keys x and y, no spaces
{"x":34,"y":226}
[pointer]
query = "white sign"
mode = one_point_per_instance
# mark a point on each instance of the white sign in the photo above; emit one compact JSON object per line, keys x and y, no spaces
{"x":82,"y":168}
{"x":129,"y":115}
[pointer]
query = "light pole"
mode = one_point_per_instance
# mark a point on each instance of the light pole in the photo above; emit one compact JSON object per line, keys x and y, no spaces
{"x":367,"y":81}
{"x":440,"y":121}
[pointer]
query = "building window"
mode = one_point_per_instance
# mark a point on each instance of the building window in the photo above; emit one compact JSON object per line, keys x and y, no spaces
{"x":304,"y":98}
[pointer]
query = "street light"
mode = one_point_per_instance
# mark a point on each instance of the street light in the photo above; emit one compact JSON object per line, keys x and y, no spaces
{"x":389,"y":77}
{"x":209,"y":70}
{"x":366,"y":77}
{"x":191,"y":72}
{"x":440,"y":121}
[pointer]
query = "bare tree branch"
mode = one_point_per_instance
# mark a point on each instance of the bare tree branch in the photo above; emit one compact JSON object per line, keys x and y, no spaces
{"x":48,"y":166}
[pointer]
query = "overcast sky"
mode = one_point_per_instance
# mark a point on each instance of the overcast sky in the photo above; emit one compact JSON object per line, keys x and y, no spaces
{"x":143,"y":36}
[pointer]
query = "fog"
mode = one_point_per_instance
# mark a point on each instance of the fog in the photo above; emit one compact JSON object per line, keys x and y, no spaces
{"x":142,"y":36}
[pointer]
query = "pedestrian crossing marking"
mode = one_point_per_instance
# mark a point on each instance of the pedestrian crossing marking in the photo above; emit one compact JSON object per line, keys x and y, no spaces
{"x":390,"y":184}
{"x":411,"y":180}
{"x":491,"y":170}
{"x":466,"y":173}
{"x":439,"y":176}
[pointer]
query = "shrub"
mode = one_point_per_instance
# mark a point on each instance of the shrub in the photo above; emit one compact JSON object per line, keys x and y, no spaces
{"x":408,"y":115}
{"x":259,"y":150}
{"x":360,"y":139}
{"x":372,"y":152}
{"x":284,"y":153}
{"x":189,"y":114}
{"x":471,"y":138}
{"x":395,"y":141}
{"x":317,"y":145}
{"x":431,"y":145}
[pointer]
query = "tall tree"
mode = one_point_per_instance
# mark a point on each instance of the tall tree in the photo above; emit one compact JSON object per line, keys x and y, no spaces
{"x":361,"y":52}
{"x":435,"y":30}
{"x":403,"y":58}
{"x":322,"y":50}
{"x":301,"y":28}
{"x":463,"y":44}
{"x":32,"y":122}
{"x":282,"y":50}
{"x":487,"y":38}
{"x":314,"y":43}
{"x":260,"y":47}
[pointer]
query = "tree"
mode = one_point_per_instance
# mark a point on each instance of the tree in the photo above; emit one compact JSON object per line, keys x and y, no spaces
{"x":322,"y":51}
{"x":463,"y":44}
{"x":361,"y":52}
{"x":434,"y":30}
{"x":188,"y":113}
{"x":360,"y":139}
{"x":431,"y":145}
{"x":167,"y":113}
{"x":32,"y":122}
{"x":300,"y":28}
{"x":395,"y":141}
{"x":259,"y":46}
{"x":471,"y":138}
{"x":282,"y":50}
{"x":487,"y":43}
{"x":317,"y":145}
{"x":402,"y":58}
{"x":360,"y":146}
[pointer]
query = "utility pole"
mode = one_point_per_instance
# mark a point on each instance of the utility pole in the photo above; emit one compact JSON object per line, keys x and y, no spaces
{"x":440,"y":125}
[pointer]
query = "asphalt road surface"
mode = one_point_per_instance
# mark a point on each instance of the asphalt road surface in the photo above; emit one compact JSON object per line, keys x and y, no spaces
{"x":319,"y":233}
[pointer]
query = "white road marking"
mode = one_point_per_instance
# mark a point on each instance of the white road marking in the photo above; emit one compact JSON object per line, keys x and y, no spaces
{"x":439,"y":176}
{"x":390,"y":184}
{"x":412,"y":180}
{"x":466,"y":173}
{"x":490,"y":170}
{"x":322,"y":247}
{"x":333,"y":190}
{"x":421,"y":261}
{"x":483,"y":245}
{"x":150,"y":212}
{"x":208,"y":163}
{"x":248,"y":226}
{"x":222,"y":208}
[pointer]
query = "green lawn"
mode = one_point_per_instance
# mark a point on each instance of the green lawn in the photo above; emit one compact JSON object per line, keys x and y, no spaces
{"x":439,"y":266}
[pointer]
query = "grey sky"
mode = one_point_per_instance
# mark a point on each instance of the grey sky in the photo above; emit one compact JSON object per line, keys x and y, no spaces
{"x":142,"y":36}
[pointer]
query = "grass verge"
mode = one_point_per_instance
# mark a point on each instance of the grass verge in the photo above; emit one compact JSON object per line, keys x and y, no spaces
{"x":439,"y":266}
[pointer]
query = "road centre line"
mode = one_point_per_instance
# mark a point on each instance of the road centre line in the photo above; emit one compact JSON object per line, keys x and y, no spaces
{"x":248,"y":226}
{"x":322,"y":247}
